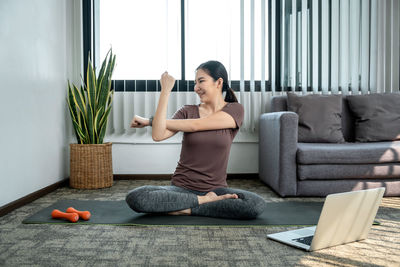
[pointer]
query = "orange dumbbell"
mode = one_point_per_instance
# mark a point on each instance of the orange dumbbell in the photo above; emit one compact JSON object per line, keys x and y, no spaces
{"x":72,"y":217}
{"x":82,"y":214}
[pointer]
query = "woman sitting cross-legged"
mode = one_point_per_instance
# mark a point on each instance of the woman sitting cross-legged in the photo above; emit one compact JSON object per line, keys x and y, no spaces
{"x":198,"y":186}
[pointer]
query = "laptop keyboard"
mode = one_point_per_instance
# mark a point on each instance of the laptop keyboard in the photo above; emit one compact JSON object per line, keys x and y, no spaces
{"x":305,"y":240}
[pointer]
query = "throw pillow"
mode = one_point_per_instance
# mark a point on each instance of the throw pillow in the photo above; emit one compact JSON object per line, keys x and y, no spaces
{"x":320,"y":117}
{"x":377,"y":116}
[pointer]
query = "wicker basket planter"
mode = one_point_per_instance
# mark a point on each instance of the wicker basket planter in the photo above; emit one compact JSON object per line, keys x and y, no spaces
{"x":91,"y":166}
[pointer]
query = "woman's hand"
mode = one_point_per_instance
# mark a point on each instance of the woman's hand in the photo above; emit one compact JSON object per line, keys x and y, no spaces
{"x":167,"y":82}
{"x":139,"y":122}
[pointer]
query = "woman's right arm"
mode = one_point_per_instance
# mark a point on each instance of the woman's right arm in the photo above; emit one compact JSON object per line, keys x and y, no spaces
{"x":140,"y":122}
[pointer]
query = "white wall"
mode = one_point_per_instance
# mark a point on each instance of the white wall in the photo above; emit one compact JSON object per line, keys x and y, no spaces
{"x":38,"y":49}
{"x":162,"y":158}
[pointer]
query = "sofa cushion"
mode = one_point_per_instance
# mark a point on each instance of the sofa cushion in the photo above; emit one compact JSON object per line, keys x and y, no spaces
{"x":377,"y":116}
{"x":348,"y":153}
{"x":348,"y":171}
{"x":320,"y":117}
{"x":279,"y":103}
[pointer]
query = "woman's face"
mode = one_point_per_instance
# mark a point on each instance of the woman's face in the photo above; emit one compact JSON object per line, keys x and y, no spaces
{"x":205,"y":86}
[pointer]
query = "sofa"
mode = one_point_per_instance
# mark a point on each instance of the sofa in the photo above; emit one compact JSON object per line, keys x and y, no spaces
{"x":294,"y":168}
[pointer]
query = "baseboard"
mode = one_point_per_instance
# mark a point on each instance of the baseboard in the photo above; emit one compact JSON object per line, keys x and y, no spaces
{"x":242,"y":176}
{"x":142,"y":176}
{"x":48,"y":189}
{"x":31,"y":197}
{"x":168,"y":176}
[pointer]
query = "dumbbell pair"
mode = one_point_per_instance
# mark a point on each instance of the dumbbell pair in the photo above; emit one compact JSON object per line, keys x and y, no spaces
{"x":71,"y":214}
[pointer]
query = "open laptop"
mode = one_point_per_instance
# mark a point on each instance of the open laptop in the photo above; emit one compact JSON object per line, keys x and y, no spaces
{"x":345,"y":217}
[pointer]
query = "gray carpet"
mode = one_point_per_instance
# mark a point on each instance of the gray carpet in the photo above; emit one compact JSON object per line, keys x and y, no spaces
{"x":104,"y":245}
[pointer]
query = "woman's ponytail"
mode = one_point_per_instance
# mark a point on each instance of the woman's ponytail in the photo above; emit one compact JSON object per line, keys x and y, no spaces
{"x":230,"y":94}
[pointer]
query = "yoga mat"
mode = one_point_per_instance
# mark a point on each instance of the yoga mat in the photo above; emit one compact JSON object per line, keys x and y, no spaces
{"x":119,"y":213}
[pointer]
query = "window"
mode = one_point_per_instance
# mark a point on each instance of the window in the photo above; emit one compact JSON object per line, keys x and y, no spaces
{"x":150,"y":37}
{"x":145,"y":36}
{"x":213,"y":32}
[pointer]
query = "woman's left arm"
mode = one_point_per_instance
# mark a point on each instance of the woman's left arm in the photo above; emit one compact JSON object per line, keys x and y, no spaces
{"x":216,"y":121}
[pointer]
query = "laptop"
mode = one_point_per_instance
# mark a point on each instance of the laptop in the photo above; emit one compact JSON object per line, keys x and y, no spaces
{"x":345,"y":217}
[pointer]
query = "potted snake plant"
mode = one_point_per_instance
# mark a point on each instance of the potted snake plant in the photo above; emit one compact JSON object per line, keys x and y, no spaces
{"x":89,"y":106}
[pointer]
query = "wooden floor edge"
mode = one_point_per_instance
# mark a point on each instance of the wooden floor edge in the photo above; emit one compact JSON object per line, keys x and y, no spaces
{"x":48,"y":189}
{"x":31,"y":197}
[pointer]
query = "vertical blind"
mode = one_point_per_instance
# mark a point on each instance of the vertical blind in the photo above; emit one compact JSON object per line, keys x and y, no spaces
{"x":335,"y":46}
{"x":313,"y":46}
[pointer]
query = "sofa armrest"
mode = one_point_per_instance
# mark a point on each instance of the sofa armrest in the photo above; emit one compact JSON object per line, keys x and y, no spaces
{"x":277,"y":151}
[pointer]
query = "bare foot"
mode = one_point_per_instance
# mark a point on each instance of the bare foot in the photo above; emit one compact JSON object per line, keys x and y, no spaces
{"x":181,"y":212}
{"x":211,"y":197}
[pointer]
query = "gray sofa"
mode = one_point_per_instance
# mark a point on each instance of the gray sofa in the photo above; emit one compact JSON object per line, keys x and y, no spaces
{"x":291,"y":168}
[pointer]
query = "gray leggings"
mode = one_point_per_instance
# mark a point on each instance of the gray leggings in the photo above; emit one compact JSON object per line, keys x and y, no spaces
{"x":164,"y":199}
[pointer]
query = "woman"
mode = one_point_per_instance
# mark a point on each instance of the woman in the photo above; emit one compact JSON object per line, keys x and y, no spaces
{"x":198,"y":186}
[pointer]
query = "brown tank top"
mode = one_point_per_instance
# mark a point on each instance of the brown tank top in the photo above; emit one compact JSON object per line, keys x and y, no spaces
{"x":204,"y":154}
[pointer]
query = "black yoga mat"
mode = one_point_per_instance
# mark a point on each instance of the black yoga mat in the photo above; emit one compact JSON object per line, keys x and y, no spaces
{"x":118,"y":213}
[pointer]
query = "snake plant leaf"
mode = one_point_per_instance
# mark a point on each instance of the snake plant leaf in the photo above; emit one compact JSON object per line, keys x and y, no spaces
{"x":79,"y":100}
{"x":83,"y":124}
{"x":105,"y":116}
{"x":70,"y":100}
{"x":104,"y":119}
{"x":80,"y":133}
{"x":112,"y":65}
{"x":99,"y":85}
{"x":77,"y":128}
{"x":102,"y":132}
{"x":103,"y":124}
{"x":105,"y":92}
{"x":110,"y":98}
{"x":109,"y":80}
{"x":103,"y":65}
{"x":80,"y":120}
{"x":97,"y":122}
{"x":81,"y":136}
{"x":101,"y":74}
{"x":101,"y":88}
{"x":73,"y":118}
{"x":85,"y":113}
{"x":111,"y":72}
{"x":90,"y":125}
{"x":83,"y":92}
{"x":83,"y":82}
{"x":74,"y":101}
{"x":106,"y":81}
{"x":91,"y":86}
{"x":75,"y":114}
